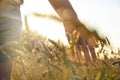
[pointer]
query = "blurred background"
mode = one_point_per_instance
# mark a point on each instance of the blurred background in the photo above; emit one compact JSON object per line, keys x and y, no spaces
{"x":101,"y":15}
{"x":40,"y":58}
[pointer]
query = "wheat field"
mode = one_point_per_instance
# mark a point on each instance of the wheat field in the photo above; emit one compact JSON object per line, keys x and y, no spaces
{"x":44,"y":59}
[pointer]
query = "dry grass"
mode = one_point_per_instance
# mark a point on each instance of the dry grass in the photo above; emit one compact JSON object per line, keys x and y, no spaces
{"x":43,"y":59}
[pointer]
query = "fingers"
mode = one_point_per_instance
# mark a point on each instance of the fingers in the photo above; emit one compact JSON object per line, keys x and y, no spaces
{"x":88,"y":45}
{"x":88,"y":48}
{"x":92,"y":51}
{"x":85,"y":50}
{"x":92,"y":44}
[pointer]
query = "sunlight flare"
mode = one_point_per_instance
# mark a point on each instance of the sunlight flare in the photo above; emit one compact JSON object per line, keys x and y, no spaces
{"x":48,"y":28}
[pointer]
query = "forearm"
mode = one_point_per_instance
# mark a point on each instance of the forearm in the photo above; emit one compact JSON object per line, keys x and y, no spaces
{"x":66,"y":12}
{"x":63,"y":9}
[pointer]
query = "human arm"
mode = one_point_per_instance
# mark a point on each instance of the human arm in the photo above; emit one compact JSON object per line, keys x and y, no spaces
{"x":87,"y":39}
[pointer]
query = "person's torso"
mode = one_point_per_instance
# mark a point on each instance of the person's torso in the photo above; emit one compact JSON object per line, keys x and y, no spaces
{"x":10,"y":20}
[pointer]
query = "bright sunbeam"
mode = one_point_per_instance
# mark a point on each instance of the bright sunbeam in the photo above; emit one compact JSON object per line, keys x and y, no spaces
{"x":48,"y":28}
{"x":105,"y":19}
{"x":45,"y":26}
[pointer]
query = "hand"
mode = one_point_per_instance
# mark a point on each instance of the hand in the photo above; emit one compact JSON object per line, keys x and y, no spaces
{"x":87,"y":39}
{"x":86,"y":42}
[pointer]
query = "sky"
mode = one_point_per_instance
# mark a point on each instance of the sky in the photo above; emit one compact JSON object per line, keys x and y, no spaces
{"x":101,"y":15}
